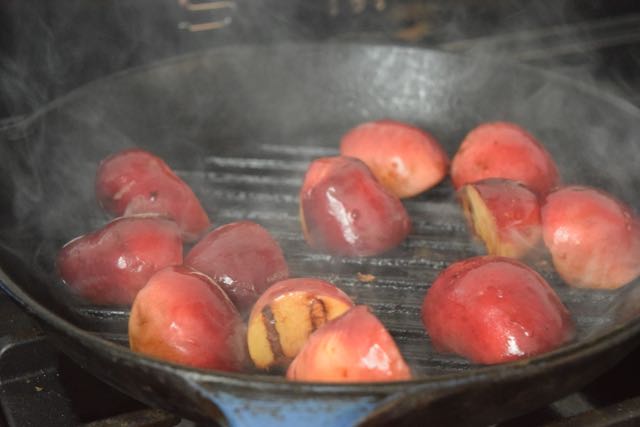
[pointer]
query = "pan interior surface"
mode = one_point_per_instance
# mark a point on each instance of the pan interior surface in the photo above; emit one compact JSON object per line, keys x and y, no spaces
{"x":241,"y":124}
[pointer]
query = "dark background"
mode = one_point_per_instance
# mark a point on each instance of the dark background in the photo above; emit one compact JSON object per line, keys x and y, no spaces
{"x":49,"y":47}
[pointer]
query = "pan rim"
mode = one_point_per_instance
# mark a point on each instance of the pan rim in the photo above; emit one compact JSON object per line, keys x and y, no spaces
{"x":550,"y":76}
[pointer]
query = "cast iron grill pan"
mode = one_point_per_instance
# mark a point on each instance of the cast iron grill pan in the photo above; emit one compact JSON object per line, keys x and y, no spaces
{"x":240,"y":125}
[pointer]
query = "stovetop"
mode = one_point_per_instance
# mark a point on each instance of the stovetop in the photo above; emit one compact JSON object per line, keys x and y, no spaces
{"x":68,"y":44}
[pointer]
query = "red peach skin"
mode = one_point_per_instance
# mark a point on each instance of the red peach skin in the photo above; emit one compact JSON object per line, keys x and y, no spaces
{"x":493,"y":310}
{"x":504,"y":214}
{"x":404,"y":158}
{"x":110,"y":265}
{"x":183,"y":317}
{"x":504,"y":150}
{"x":243,"y":258}
{"x":135,"y":181}
{"x":354,"y":347}
{"x":345,"y":211}
{"x":593,"y":238}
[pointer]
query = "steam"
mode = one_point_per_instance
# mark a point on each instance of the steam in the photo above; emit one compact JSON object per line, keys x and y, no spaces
{"x":573,"y":53}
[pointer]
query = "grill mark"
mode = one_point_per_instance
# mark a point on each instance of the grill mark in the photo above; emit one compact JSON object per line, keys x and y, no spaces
{"x":272,"y":335}
{"x":317,"y":313}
